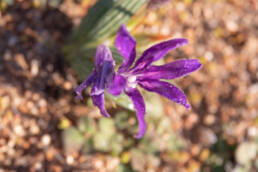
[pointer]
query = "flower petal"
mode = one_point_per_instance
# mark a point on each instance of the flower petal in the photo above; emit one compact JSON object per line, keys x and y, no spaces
{"x":98,"y":100}
{"x":157,"y":51}
{"x":171,"y":70}
{"x":107,"y":73}
{"x":165,"y":89}
{"x":125,"y":43}
{"x":139,"y":106}
{"x":103,"y":54}
{"x":87,"y":82}
{"x":117,"y":86}
{"x":102,"y":78}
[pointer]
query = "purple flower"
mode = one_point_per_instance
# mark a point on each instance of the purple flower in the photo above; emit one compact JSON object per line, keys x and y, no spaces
{"x":100,"y":78}
{"x":149,"y":76}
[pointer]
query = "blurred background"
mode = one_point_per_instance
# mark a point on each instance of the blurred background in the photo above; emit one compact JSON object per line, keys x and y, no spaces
{"x":44,"y":128}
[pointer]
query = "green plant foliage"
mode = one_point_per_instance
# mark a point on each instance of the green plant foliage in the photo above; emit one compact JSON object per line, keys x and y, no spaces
{"x":101,"y":142}
{"x":122,"y":100}
{"x":107,"y":139}
{"x":121,"y":120}
{"x":117,"y":144}
{"x":148,"y":145}
{"x":87,"y":146}
{"x":103,"y":20}
{"x":107,"y":126}
{"x":154,"y":106}
{"x":108,"y":135}
{"x":98,"y":11}
{"x":72,"y":139}
{"x":87,"y":126}
{"x":124,"y":168}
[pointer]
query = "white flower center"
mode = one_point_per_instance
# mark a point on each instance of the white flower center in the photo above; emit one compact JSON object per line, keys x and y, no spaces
{"x":131,"y":81}
{"x":131,"y":78}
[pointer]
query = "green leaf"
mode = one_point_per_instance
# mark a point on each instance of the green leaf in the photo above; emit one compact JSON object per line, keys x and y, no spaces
{"x":124,"y":168}
{"x":107,"y":126}
{"x":87,"y":126}
{"x":119,"y":13}
{"x":101,"y":142}
{"x":121,"y":120}
{"x":154,"y":106}
{"x":122,"y":100}
{"x":117,"y":144}
{"x":148,"y":145}
{"x":93,"y":16}
{"x":72,"y":140}
{"x":101,"y":22}
{"x":87,"y":146}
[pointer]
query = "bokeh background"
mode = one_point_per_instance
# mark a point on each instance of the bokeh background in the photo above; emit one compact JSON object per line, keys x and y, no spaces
{"x":44,"y":128}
